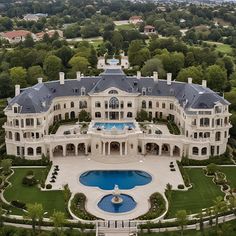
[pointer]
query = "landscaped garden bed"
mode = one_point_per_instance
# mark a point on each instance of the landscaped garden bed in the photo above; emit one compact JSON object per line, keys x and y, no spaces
{"x":78,"y":207}
{"x":158,"y":207}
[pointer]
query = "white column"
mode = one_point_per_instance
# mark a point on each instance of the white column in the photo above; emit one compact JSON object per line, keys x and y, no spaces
{"x":109,"y":148}
{"x":143,"y":149}
{"x":126,"y":148}
{"x":51,"y":152}
{"x":86,"y":149}
{"x":76,"y":150}
{"x":64,"y":150}
{"x":104,"y":148}
{"x":121,"y":149}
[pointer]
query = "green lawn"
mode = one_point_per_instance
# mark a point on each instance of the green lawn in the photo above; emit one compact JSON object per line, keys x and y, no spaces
{"x":51,"y":200}
{"x":96,"y":43}
{"x":221,"y":47}
{"x":230,"y":174}
{"x":125,"y":27}
{"x":202,"y":194}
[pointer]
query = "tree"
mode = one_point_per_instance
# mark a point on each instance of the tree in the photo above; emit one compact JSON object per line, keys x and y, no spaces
{"x":172,"y":62}
{"x":117,"y":40}
{"x":142,"y":116}
{"x":52,"y":66}
{"x":34,"y":72}
{"x":84,"y":116}
{"x":79,"y":64}
{"x":216,"y":77}
{"x":218,"y":207}
{"x":138,"y":53}
{"x":6,"y":86}
{"x":28,"y":42}
{"x":6,"y":166}
{"x":181,"y":218}
{"x":65,"y":53}
{"x":195,"y":72}
{"x":169,"y":191}
{"x":58,"y":219}
{"x":212,"y":169}
{"x":18,"y":76}
{"x":35,"y":213}
{"x":152,"y":65}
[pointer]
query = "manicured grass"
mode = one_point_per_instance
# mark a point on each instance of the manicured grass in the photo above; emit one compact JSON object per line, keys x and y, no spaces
{"x":96,"y":43}
{"x":224,"y":48}
{"x":125,"y":27}
{"x":202,"y":194}
{"x":230,"y":174}
{"x":51,"y":200}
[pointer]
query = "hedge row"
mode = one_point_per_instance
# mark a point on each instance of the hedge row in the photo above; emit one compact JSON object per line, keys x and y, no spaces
{"x":218,"y":160}
{"x":184,"y":175}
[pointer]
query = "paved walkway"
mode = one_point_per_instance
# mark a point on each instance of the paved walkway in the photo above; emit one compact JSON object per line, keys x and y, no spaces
{"x":72,"y":167}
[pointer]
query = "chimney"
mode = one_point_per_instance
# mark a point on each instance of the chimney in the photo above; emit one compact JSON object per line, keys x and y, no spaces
{"x":190,"y":80}
{"x":138,"y":74}
{"x":169,"y":76}
{"x":17,"y":90}
{"x":78,"y":75}
{"x":204,"y":83}
{"x":155,"y":76}
{"x":40,"y":80}
{"x":62,"y":77}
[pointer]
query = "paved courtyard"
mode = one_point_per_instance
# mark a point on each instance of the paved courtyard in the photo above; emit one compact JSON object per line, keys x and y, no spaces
{"x":158,"y":167}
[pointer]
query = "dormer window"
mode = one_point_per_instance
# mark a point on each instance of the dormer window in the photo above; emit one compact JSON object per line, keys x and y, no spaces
{"x":83,"y":91}
{"x":15,"y":109}
{"x":218,"y":109}
{"x":113,"y":91}
{"x":144,"y":91}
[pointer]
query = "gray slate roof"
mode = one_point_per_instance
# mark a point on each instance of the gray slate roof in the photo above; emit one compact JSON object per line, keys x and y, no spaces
{"x":38,"y":98}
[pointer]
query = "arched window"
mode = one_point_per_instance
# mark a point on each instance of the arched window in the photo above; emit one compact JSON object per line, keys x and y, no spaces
{"x":98,"y":114}
{"x":129,"y":115}
{"x":97,"y":104}
{"x":150,"y":104}
{"x":72,"y":104}
{"x":38,"y":150}
{"x":113,"y":92}
{"x":143,"y":104}
{"x":218,"y":136}
{"x":114,"y":103}
{"x":204,"y":151}
{"x":30,"y":151}
{"x":129,"y":104}
{"x":17,"y":136}
{"x":204,"y":122}
{"x":10,"y":135}
{"x":195,"y":150}
{"x":157,"y":104}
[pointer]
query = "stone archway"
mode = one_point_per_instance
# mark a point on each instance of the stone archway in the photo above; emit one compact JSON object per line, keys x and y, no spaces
{"x":152,"y":149}
{"x":81,"y":149}
{"x":176,"y":151}
{"x":58,"y":151}
{"x":115,"y":148}
{"x":165,"y":149}
{"x":70,"y":149}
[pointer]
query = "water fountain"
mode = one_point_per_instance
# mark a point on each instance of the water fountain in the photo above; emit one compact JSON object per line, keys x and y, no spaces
{"x":117,"y":199}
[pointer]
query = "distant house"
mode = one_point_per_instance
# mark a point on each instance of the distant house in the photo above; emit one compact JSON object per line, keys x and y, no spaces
{"x":135,"y":20}
{"x":149,"y":29}
{"x":34,"y":17}
{"x":40,"y":35}
{"x":16,"y":36}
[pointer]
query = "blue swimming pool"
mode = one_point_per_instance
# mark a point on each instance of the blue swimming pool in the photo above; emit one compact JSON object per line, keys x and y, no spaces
{"x":110,"y":125}
{"x":106,"y":204}
{"x":107,"y":179}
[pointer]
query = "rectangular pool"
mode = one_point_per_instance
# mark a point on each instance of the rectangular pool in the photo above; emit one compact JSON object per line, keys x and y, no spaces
{"x":110,"y":125}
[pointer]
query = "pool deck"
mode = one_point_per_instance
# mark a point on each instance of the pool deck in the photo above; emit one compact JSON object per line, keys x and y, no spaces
{"x":158,"y":167}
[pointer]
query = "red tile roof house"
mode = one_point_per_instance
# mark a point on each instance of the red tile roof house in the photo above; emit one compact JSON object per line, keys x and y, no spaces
{"x":135,"y":20}
{"x":149,"y":29}
{"x":16,"y":36}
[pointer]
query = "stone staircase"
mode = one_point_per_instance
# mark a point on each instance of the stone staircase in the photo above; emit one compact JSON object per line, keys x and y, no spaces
{"x":116,"y":228}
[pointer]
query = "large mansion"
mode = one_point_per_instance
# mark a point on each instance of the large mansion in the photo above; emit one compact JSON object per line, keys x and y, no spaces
{"x":113,"y":101}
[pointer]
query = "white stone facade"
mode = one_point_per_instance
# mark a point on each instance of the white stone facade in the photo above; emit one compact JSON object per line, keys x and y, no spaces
{"x":204,"y":132}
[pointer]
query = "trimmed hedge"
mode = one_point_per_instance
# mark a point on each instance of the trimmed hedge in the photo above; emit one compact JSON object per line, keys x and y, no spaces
{"x":78,"y":207}
{"x":184,"y":174}
{"x":218,"y":160}
{"x":158,"y":207}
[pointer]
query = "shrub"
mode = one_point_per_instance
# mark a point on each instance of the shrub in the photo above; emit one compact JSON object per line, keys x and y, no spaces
{"x":29,"y":181}
{"x":48,"y":186}
{"x":212,"y":169}
{"x":30,"y":173}
{"x":18,"y":204}
{"x":78,"y":207}
{"x":158,"y":207}
{"x":180,"y":186}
